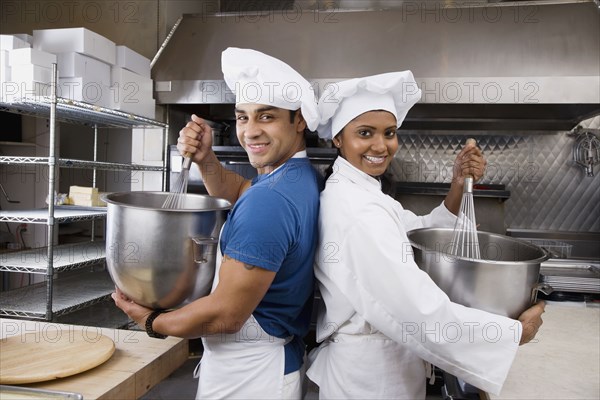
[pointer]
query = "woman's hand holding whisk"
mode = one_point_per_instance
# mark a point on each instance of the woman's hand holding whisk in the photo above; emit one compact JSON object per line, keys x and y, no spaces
{"x":195,"y":140}
{"x":469,"y":162}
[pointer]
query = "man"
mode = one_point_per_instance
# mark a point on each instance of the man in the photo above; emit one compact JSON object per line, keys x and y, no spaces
{"x":253,"y":321}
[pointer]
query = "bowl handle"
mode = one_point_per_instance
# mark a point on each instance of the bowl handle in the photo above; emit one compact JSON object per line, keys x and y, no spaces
{"x":540,"y":287}
{"x":204,"y":248}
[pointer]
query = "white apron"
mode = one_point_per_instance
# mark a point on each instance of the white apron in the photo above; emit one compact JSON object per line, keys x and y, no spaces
{"x":387,"y":370}
{"x":248,"y":364}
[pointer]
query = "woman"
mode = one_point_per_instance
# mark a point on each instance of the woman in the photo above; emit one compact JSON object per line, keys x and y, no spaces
{"x":382,"y":316}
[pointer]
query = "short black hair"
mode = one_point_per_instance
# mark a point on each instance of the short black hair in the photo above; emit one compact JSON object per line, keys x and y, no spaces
{"x":293,"y":115}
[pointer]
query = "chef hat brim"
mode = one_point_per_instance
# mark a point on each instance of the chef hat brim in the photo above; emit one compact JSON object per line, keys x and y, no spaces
{"x":258,"y":78}
{"x":343,"y":101}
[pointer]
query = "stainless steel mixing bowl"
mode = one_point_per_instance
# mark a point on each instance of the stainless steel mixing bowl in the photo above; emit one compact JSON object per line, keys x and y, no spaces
{"x":162,"y":258}
{"x":504,"y":281}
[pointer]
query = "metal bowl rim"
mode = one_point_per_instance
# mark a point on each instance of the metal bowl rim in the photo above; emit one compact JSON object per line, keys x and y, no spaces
{"x":108,"y":198}
{"x":538,"y":260}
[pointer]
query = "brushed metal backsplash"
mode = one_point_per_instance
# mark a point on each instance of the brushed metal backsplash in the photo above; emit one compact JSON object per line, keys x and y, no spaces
{"x":548,"y":190}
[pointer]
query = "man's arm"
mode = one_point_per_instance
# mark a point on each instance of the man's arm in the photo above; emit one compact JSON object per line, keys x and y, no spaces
{"x":241,"y":288}
{"x":196,"y":140}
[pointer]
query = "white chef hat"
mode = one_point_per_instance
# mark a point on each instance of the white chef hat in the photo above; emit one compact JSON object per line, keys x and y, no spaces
{"x":255,"y":77}
{"x":343,"y":101}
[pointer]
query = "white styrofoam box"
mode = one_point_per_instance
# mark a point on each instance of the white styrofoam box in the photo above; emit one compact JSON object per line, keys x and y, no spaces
{"x":24,"y":37}
{"x":146,"y":108}
{"x":4,"y":67}
{"x":132,"y":61}
{"x":26,"y":80}
{"x":5,"y":75}
{"x":28,"y":56}
{"x":80,"y":40}
{"x":79,"y":65}
{"x":10,"y":42}
{"x":85,"y":89}
{"x":129,"y":87}
{"x":22,"y":89}
{"x":31,"y":73}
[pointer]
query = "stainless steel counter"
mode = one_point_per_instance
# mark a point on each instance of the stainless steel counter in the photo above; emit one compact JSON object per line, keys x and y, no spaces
{"x":563,"y":362}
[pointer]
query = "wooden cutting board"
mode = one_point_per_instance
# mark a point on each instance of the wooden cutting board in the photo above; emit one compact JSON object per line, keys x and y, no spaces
{"x":55,"y":352}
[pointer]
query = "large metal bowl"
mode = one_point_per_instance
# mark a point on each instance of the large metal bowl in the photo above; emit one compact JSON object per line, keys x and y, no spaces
{"x":504,"y":281}
{"x":162,"y":258}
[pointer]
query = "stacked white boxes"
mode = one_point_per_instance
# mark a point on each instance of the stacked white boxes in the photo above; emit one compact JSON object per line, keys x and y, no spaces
{"x":78,"y":40}
{"x":11,"y":42}
{"x":25,"y":37}
{"x":132,"y":61}
{"x":84,"y":78}
{"x":94,"y":70}
{"x":91,"y":69}
{"x":31,"y":71}
{"x":84,"y":60}
{"x":132,"y":86}
{"x":5,"y":82}
{"x":26,"y":66}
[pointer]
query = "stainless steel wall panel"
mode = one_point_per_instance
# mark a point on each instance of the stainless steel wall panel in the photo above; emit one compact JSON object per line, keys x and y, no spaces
{"x":548,"y":190}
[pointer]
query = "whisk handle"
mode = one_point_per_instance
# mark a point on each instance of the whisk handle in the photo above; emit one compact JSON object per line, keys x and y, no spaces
{"x":187,"y":160}
{"x":468,"y":188}
{"x":469,"y":178}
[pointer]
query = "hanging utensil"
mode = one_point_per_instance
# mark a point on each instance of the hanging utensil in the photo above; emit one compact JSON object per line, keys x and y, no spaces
{"x":586,"y":152}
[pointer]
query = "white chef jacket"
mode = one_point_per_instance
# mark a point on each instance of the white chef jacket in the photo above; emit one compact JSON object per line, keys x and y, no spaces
{"x":382,"y":316}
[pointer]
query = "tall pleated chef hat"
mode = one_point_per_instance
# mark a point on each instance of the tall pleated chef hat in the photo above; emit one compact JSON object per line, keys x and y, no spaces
{"x":343,"y":101}
{"x":258,"y":78}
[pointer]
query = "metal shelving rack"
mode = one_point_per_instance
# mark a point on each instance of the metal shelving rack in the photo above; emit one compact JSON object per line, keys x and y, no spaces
{"x":49,"y":299}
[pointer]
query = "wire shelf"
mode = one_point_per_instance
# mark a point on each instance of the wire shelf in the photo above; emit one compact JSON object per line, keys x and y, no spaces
{"x":73,"y":163}
{"x":70,"y":294}
{"x":65,"y":257}
{"x":61,"y":214}
{"x":80,"y":289}
{"x":79,"y":113}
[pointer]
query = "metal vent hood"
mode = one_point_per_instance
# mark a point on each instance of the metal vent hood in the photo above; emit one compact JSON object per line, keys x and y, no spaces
{"x":531,"y":65}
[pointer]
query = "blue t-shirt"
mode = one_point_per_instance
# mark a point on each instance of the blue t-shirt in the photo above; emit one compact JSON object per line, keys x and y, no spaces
{"x":273,"y":225}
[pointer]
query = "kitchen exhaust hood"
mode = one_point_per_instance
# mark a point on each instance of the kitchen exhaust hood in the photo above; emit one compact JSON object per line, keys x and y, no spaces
{"x":484,"y":65}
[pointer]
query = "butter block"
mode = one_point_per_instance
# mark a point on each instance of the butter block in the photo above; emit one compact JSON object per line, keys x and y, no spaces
{"x":85,"y":196}
{"x":82,"y":190}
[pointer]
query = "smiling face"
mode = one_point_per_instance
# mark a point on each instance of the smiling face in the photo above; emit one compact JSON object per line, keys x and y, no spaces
{"x":268,"y":135}
{"x":369,"y":142}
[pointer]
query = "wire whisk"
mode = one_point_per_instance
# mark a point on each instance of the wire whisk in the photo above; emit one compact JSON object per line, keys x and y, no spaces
{"x":176,"y":199}
{"x":465,"y":242}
